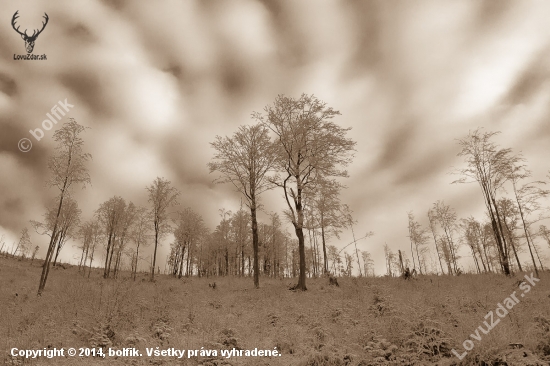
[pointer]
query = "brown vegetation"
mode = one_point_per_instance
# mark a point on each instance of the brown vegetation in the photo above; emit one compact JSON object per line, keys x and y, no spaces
{"x":364,"y":321}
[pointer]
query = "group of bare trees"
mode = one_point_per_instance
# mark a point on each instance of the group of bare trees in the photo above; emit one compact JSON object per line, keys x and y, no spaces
{"x":126,"y":228}
{"x":67,"y":167}
{"x":493,"y":168}
{"x":227,"y":251}
{"x":115,"y":222}
{"x":513,"y":205}
{"x":295,"y":146}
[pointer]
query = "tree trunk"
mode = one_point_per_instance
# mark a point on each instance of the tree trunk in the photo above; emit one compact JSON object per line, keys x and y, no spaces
{"x":91,"y":260}
{"x":505,"y":260}
{"x":255,"y":245}
{"x":302,"y":251}
{"x":325,"y":259}
{"x":525,"y":229}
{"x":109,"y":243}
{"x":412,"y":251}
{"x":46,"y":266}
{"x":189,"y":265}
{"x":513,"y":245}
{"x":81,"y":258}
{"x":58,"y":249}
{"x":155,"y":252}
{"x":537,"y":253}
{"x":437,"y":249}
{"x":137,"y":260}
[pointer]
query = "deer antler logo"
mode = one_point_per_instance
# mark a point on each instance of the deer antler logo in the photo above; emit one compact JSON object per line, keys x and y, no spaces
{"x":29,"y":40}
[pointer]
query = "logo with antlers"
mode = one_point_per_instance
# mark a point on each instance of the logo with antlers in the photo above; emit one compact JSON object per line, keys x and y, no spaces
{"x":29,"y":40}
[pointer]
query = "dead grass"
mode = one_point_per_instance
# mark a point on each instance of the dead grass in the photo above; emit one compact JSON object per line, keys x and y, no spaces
{"x":376,"y":321}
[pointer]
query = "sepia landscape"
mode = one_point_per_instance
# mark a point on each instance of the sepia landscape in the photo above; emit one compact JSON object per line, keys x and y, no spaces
{"x":245,"y":182}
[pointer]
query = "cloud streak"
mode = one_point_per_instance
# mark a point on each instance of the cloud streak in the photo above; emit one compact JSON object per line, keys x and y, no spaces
{"x":158,"y":81}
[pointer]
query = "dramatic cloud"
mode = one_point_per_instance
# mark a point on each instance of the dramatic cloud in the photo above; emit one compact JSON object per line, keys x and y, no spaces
{"x":157,"y":81}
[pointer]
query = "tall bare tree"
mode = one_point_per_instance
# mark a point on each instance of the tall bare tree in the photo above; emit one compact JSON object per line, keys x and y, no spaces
{"x":487,"y":164}
{"x":90,"y":233}
{"x":471,"y":233}
{"x":162,"y":196}
{"x":110,"y":214}
{"x":346,"y":219}
{"x":510,"y":218}
{"x":527,"y":198}
{"x":433,"y":229}
{"x":97,"y":235}
{"x":240,"y":223}
{"x":327,"y":213}
{"x":140,"y":234}
{"x":35,"y":250}
{"x":190,"y":228}
{"x":309,"y":146}
{"x":244,"y":160}
{"x":390,"y":258}
{"x":68,"y":169}
{"x":24,"y":244}
{"x":126,"y":226}
{"x":368,"y":264}
{"x":445,"y":215}
{"x":419,"y":239}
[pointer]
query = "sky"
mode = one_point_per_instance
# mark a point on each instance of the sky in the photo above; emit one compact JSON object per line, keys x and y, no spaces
{"x":157,"y":81}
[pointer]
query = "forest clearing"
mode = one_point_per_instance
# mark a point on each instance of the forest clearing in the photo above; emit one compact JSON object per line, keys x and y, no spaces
{"x":271,"y":182}
{"x":363,"y":321}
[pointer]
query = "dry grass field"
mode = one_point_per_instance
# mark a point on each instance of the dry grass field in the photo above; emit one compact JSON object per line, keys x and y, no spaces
{"x":364,"y":321}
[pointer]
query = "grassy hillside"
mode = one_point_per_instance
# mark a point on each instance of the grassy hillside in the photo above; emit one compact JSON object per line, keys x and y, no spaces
{"x":380,"y":321}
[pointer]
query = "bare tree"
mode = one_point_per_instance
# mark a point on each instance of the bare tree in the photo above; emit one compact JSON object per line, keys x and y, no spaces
{"x":368,"y":264}
{"x":35,"y":250}
{"x":68,"y":221}
{"x":419,"y":239}
{"x":24,"y":244}
{"x":244,"y":160}
{"x":240,"y":224}
{"x":390,"y":258}
{"x":110,"y":214}
{"x":433,"y":229}
{"x":349,"y":264}
{"x":90,"y":233}
{"x":527,"y":198}
{"x":68,"y":169}
{"x":309,"y":147}
{"x":190,"y":228}
{"x":126,"y":225}
{"x":345,"y":219}
{"x":82,"y":234}
{"x":162,"y":196}
{"x":510,"y":218}
{"x":334,"y":257}
{"x":328,"y":213}
{"x":97,"y":234}
{"x":487,"y":165}
{"x":140,"y":235}
{"x":446,"y":217}
{"x":471,"y":233}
